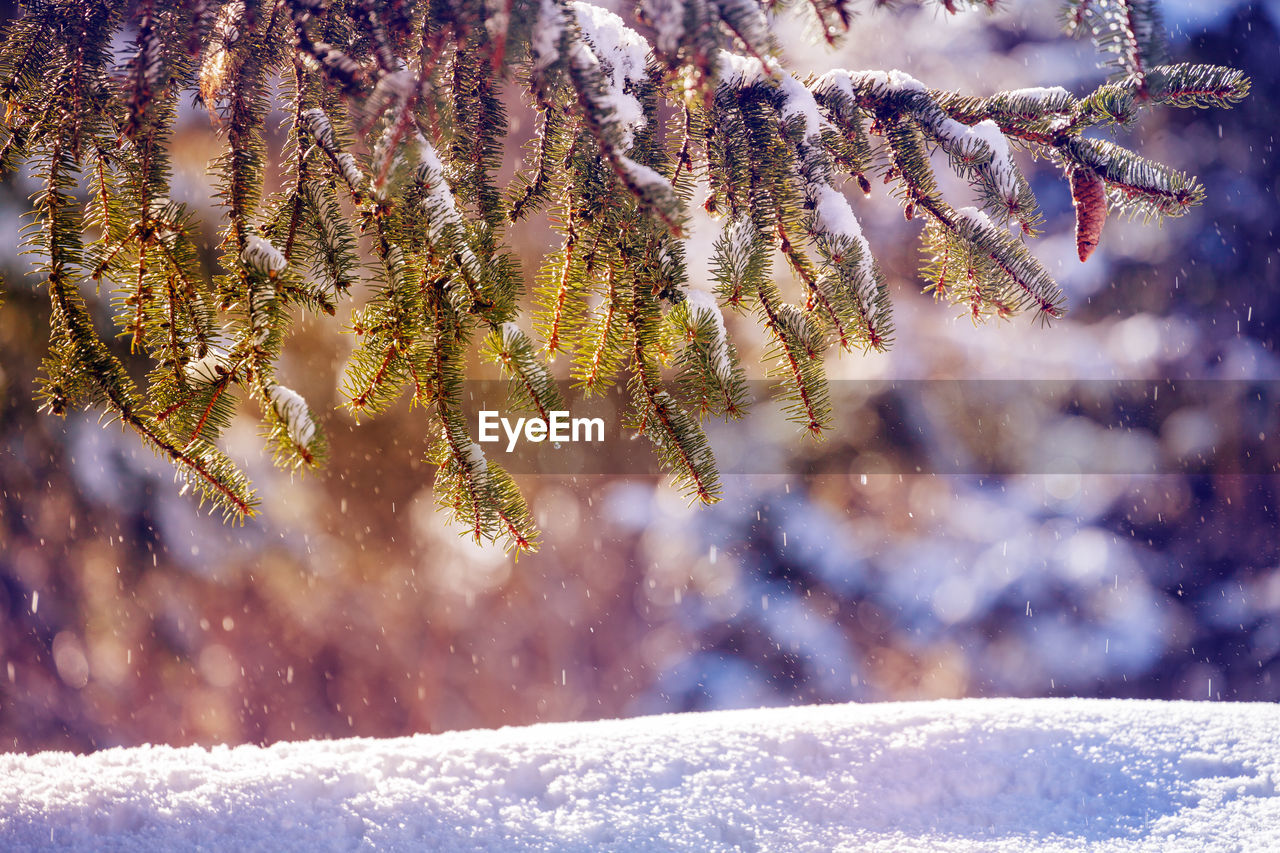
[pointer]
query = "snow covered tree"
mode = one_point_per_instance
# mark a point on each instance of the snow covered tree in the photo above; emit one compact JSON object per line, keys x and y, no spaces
{"x":395,"y":130}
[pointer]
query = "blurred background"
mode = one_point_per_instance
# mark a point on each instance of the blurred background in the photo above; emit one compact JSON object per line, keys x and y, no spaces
{"x":1057,"y":528}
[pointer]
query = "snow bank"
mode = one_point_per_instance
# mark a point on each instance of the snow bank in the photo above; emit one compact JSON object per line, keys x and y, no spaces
{"x":939,"y":776}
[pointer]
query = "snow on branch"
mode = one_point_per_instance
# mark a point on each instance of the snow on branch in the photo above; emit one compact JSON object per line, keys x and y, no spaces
{"x":263,"y":257}
{"x":702,"y":305}
{"x":1135,"y":184}
{"x":321,"y":129}
{"x":294,"y":413}
{"x":608,"y":69}
{"x":979,"y":149}
{"x":847,"y":289}
{"x":439,"y":203}
{"x":623,"y":55}
{"x":532,"y":386}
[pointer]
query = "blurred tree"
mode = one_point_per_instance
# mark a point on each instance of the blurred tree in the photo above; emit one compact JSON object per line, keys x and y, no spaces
{"x":395,"y":133}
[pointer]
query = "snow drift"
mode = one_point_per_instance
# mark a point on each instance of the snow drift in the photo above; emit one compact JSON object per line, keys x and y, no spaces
{"x":961,"y":775}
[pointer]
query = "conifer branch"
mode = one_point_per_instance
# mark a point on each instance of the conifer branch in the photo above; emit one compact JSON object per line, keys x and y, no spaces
{"x":1129,"y":30}
{"x":396,"y":112}
{"x":607,"y":339}
{"x":1136,"y":185}
{"x":710,"y":375}
{"x":532,"y":385}
{"x":797,"y":349}
{"x":679,"y":440}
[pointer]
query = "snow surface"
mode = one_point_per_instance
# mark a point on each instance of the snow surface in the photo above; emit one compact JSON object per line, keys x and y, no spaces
{"x":398,"y":84}
{"x":983,"y":774}
{"x":642,"y":175}
{"x":477,"y":458}
{"x":512,"y":334}
{"x":973,"y":214}
{"x":321,"y":128}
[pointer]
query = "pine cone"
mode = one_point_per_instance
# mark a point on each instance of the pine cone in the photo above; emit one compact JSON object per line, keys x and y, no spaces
{"x":1089,"y":194}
